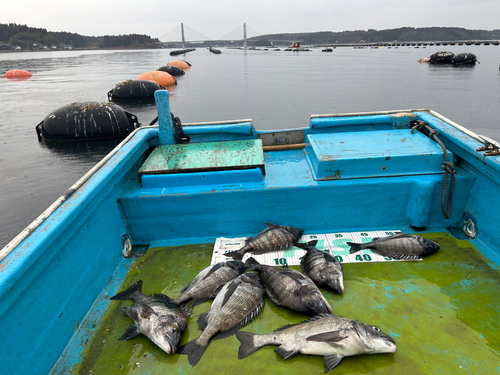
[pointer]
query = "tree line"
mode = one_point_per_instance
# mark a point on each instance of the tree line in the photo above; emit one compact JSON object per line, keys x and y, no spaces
{"x":403,"y":34}
{"x":25,"y":37}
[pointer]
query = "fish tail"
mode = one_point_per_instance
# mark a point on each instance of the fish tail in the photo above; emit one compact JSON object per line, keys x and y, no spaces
{"x":355,"y":247}
{"x":193,"y":350}
{"x":132,"y":292}
{"x":248,"y":345}
{"x":236,"y":255}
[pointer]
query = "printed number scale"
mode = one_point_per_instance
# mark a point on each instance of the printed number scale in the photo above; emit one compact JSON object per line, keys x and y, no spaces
{"x":332,"y":243}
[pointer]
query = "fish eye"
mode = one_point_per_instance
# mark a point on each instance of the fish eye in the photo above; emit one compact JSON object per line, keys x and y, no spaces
{"x":376,"y":328}
{"x":174,"y":330}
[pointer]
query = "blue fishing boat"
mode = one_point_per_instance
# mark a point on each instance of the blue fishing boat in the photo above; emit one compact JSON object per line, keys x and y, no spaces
{"x":154,"y":208}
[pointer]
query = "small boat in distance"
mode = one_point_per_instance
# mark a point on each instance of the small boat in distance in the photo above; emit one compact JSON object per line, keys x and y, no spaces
{"x":296,"y":47}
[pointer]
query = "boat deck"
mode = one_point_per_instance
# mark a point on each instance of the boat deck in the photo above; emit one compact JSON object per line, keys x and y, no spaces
{"x":443,"y":313}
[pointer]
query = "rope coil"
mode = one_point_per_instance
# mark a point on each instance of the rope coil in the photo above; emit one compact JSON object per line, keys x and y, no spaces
{"x":447,"y":166}
{"x":179,"y":135}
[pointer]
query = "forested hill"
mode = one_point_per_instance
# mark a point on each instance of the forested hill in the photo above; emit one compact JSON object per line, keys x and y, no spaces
{"x":24,"y":37}
{"x":31,"y":38}
{"x":403,"y":34}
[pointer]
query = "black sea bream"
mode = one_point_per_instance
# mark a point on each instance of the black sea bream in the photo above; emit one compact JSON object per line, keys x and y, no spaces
{"x":328,"y":335}
{"x":398,"y":246}
{"x":274,"y":237}
{"x":321,"y":267}
{"x":156,"y":317}
{"x":238,"y":302}
{"x":290,"y":288}
{"x":209,"y":281}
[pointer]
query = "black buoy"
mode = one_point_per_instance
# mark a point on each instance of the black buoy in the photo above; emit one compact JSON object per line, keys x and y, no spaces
{"x":133,"y":89}
{"x":181,"y":51}
{"x":86,"y":121}
{"x":464,"y":59}
{"x":441,"y":57}
{"x":214,"y":50}
{"x":172,"y":70}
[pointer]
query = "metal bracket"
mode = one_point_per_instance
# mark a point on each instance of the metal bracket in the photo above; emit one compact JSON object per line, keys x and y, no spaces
{"x":489,"y":144}
{"x":469,"y":226}
{"x":132,"y":251}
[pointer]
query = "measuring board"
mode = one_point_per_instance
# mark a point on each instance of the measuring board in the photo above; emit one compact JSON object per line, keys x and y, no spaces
{"x":332,"y":243}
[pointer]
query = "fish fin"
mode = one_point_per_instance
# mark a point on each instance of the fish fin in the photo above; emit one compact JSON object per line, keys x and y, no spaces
{"x":403,"y":256}
{"x":329,"y":337}
{"x":298,"y":277}
{"x":284,"y":353}
{"x":331,"y":361}
{"x":130,"y":333}
{"x":250,"y":264}
{"x":355,"y":247}
{"x":130,"y":292}
{"x":314,"y":318}
{"x":199,"y":301}
{"x":202,"y":320}
{"x":236,"y":328}
{"x":231,"y":288}
{"x":247,"y":346}
{"x":275,"y":248}
{"x":269,"y":225}
{"x":236,"y":255}
{"x":216,"y":291}
{"x":138,"y":311}
{"x":213,"y":269}
{"x":186,"y":309}
{"x":193,"y":351}
{"x":312,"y":243}
{"x":166,"y":300}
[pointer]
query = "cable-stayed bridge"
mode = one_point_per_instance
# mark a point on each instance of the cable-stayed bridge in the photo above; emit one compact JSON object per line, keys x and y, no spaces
{"x":185,"y":33}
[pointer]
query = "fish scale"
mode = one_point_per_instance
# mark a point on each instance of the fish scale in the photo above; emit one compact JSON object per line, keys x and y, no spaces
{"x":329,"y":335}
{"x":209,"y":280}
{"x":237,"y":303}
{"x":322,"y":268}
{"x":290,"y":288}
{"x":274,"y":237}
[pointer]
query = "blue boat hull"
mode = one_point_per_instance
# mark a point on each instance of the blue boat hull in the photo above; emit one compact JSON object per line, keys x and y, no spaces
{"x":55,"y":277}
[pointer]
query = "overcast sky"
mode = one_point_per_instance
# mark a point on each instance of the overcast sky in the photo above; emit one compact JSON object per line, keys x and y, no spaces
{"x":218,"y":18}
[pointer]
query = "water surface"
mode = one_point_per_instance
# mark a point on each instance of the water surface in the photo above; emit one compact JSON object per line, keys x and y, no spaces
{"x":276,"y":89}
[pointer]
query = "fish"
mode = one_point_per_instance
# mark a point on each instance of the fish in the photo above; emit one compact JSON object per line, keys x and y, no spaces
{"x":290,"y":288}
{"x":209,"y":281}
{"x":331,"y":336}
{"x":239,"y":301}
{"x":274,"y":237}
{"x":156,"y":317}
{"x":398,"y":246}
{"x":321,"y":267}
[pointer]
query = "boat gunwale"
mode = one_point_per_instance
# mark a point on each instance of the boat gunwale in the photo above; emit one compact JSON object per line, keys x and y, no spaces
{"x":16,"y":241}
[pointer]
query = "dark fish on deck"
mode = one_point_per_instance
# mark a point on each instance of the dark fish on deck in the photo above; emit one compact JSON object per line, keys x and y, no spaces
{"x":328,"y":335}
{"x":274,"y":237}
{"x":238,"y":302}
{"x":321,"y":267}
{"x":156,"y":317}
{"x":398,"y":246}
{"x":290,"y":288}
{"x":209,"y":281}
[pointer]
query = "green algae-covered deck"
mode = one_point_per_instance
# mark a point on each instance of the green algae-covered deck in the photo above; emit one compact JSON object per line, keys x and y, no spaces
{"x":443,"y":313}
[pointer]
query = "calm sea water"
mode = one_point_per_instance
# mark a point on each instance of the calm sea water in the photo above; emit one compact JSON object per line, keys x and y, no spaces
{"x":276,"y":89}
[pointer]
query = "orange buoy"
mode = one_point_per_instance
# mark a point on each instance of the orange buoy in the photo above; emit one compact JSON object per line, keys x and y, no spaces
{"x":180,"y":64}
{"x":161,"y":78}
{"x":15,"y":73}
